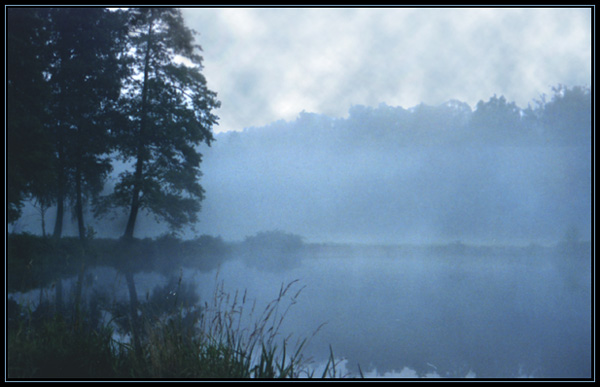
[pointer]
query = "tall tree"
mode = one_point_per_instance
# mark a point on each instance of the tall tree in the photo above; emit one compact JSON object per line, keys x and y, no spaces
{"x":29,"y":151}
{"x":85,"y":73}
{"x":169,"y":106}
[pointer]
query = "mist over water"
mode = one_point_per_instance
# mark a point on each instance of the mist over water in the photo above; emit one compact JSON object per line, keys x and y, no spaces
{"x":489,"y":314}
{"x":416,"y":311}
{"x":430,"y":252}
{"x":422,"y":195}
{"x":390,"y":175}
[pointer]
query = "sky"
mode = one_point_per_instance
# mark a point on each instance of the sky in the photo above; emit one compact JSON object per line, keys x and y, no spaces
{"x":268,"y":64}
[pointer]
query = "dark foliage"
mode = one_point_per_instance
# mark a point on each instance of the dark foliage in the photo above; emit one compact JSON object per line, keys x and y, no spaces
{"x":37,"y":262}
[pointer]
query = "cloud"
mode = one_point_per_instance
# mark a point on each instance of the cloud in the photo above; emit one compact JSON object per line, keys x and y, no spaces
{"x":268,"y":64}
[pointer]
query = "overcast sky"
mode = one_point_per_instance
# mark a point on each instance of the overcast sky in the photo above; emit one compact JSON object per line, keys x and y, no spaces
{"x":270,"y":64}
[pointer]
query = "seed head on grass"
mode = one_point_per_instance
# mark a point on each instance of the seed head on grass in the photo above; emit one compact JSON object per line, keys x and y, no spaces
{"x":229,"y":320}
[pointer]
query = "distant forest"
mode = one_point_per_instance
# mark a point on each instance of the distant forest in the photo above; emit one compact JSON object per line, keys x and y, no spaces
{"x":497,"y":172}
{"x":564,"y":118}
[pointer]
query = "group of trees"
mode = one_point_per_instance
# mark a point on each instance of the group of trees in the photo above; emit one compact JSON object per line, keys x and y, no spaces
{"x":563,"y":118}
{"x":89,"y":86}
{"x":388,"y":173}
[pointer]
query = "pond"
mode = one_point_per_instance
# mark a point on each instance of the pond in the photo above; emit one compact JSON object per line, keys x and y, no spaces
{"x":431,"y":314}
{"x":414,"y":312}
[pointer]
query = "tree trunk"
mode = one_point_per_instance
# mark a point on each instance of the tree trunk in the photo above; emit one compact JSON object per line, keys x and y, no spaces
{"x":59,"y":216}
{"x":135,"y":200}
{"x":43,"y":209}
{"x":135,"y":205}
{"x":60,"y":198}
{"x":79,"y":204}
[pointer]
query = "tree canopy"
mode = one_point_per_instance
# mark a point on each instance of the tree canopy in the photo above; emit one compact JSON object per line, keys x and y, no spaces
{"x":84,"y":73}
{"x":89,"y":86}
{"x":170,"y":112}
{"x":29,"y":156}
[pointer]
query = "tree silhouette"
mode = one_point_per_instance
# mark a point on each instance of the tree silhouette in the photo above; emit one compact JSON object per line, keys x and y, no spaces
{"x":169,"y":106}
{"x":84,"y":73}
{"x":29,"y":152}
{"x":497,"y":120}
{"x":566,"y":118}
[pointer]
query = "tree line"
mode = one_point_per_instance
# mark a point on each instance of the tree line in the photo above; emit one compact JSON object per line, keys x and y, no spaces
{"x":90,"y":86}
{"x":563,"y":118}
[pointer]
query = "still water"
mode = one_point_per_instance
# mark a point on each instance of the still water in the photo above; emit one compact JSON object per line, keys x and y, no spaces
{"x":415,"y":312}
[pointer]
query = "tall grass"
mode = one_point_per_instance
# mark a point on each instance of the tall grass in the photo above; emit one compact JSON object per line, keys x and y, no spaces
{"x":229,"y":322}
{"x":227,"y":337}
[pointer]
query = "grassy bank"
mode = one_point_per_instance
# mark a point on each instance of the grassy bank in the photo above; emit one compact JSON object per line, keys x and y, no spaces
{"x":225,"y":337}
{"x":78,"y":337}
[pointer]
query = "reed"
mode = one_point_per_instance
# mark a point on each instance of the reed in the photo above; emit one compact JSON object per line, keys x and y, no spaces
{"x":230,"y":338}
